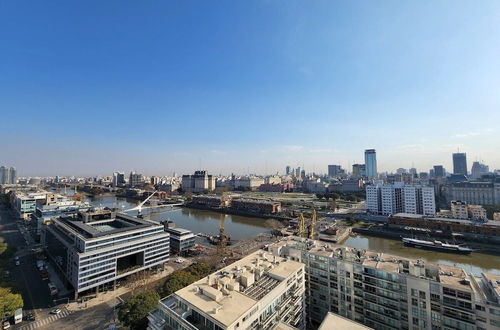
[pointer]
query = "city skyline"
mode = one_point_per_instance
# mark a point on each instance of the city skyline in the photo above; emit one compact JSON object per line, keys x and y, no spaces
{"x":228,"y":91}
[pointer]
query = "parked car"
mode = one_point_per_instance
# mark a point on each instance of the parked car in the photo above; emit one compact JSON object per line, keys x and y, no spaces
{"x":6,"y":325}
{"x":55,"y":311}
{"x":30,"y":317}
{"x":179,"y":260}
{"x":18,"y":263}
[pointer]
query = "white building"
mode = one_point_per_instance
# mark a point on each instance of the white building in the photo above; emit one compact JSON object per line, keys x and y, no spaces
{"x":259,"y":291}
{"x":97,"y":248}
{"x":199,"y":182}
{"x":394,"y":198}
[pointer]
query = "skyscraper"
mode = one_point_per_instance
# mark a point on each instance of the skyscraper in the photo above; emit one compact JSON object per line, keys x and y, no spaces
{"x":479,"y":169}
{"x":118,"y":179}
{"x":438,"y":171}
{"x":371,"y":163}
{"x":334,"y":170}
{"x":12,"y":175}
{"x":287,"y":170}
{"x":460,"y":163}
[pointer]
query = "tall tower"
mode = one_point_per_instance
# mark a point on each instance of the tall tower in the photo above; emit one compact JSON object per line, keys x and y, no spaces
{"x":371,"y":163}
{"x":460,"y":163}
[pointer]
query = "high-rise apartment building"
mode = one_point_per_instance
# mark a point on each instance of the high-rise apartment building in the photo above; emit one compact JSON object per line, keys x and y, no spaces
{"x":8,"y":175}
{"x":334,"y":170}
{"x":118,"y":179}
{"x":394,"y":198}
{"x":460,"y":163}
{"x":135,"y":179}
{"x":386,"y":292}
{"x":260,"y":291}
{"x":371,"y":163}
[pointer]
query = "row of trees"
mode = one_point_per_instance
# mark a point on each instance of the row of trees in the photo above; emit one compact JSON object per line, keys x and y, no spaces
{"x":335,"y":196}
{"x":135,"y":310}
{"x":10,"y":297}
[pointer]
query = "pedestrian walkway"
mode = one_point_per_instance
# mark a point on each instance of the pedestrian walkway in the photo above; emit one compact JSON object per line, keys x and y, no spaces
{"x":47,"y":320}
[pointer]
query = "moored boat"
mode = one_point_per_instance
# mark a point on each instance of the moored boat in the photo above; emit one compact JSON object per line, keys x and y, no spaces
{"x":436,"y":245}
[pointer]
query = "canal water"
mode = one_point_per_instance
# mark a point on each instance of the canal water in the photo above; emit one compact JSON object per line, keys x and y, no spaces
{"x":240,"y":227}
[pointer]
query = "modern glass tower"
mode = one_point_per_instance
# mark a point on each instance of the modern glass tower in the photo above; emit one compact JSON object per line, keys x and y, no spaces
{"x":371,"y":163}
{"x":460,"y":163}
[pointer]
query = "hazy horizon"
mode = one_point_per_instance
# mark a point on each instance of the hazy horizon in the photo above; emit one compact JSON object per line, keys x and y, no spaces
{"x":161,"y":87}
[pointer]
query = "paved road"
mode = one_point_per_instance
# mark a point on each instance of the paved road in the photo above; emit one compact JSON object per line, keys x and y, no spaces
{"x":34,"y":290}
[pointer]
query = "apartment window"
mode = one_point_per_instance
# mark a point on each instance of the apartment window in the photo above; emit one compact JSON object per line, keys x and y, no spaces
{"x":480,"y":308}
{"x":435,"y":297}
{"x":414,"y":292}
{"x":414,"y":301}
{"x":421,"y":294}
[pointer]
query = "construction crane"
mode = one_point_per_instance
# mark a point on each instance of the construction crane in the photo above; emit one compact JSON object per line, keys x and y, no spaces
{"x":312,"y":226}
{"x":302,"y":226}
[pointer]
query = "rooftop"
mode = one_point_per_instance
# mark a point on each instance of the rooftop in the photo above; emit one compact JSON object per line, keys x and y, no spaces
{"x":116,"y":223}
{"x":234,"y":290}
{"x":334,"y":321}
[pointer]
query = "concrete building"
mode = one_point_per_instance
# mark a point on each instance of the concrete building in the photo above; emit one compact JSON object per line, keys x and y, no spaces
{"x":199,"y":182}
{"x":384,"y":291}
{"x":459,"y":210}
{"x":358,"y":170}
{"x":212,"y":201}
{"x":496,"y":216}
{"x":346,"y":186}
{"x":485,"y":192}
{"x":248,"y":183}
{"x":288,"y":170}
{"x":371,"y":163}
{"x":118,"y":179}
{"x":259,"y":291}
{"x":58,"y":206}
{"x":24,"y":203}
{"x":181,"y":240}
{"x":135,"y":180}
{"x":97,"y":248}
{"x":477,"y":212}
{"x":394,"y":198}
{"x":479,"y":170}
{"x":460,"y":163}
{"x":8,"y":175}
{"x":334,"y":170}
{"x":336,"y":322}
{"x":439,"y":171}
{"x":257,"y":206}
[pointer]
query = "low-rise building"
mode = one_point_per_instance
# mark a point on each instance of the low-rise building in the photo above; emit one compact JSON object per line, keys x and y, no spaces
{"x":64,"y":207}
{"x":257,"y":292}
{"x":256,"y":206}
{"x":248,"y":183}
{"x":181,"y":240}
{"x":384,"y":291}
{"x":459,"y":210}
{"x":212,"y":201}
{"x":496,"y":216}
{"x":24,"y":203}
{"x":98,"y":247}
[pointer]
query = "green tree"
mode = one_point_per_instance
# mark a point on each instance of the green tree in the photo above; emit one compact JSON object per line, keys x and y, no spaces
{"x":134,"y":311}
{"x":177,"y":281}
{"x":200,"y":270}
{"x":9,"y":301}
{"x":319,"y":196}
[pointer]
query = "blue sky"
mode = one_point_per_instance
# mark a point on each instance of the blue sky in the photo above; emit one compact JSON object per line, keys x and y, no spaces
{"x":162,"y":86}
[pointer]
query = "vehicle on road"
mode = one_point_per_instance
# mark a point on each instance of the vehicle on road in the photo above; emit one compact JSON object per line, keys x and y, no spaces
{"x":30,"y":317}
{"x":55,"y":311}
{"x":18,"y":316}
{"x":6,"y":325}
{"x":53,"y":289}
{"x":18,"y":263}
{"x":16,"y":258}
{"x":179,"y":260}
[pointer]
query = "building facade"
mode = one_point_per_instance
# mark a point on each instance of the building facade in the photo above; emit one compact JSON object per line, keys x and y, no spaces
{"x":383,"y":291}
{"x":199,"y":182}
{"x":98,"y":247}
{"x":181,"y":240}
{"x":371,"y":163}
{"x":394,"y":198}
{"x":474,"y":192}
{"x":259,"y":291}
{"x":334,"y":170}
{"x":460,"y":163}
